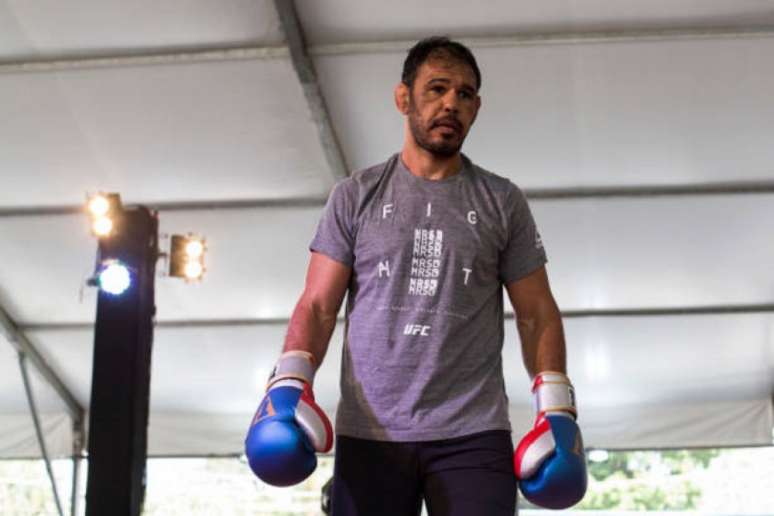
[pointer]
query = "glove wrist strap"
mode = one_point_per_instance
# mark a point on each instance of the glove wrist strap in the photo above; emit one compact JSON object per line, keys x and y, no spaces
{"x":553,"y":392}
{"x":293,"y":365}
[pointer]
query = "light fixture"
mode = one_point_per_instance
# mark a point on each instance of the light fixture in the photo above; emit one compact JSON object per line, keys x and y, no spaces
{"x":194,"y":248}
{"x":186,"y":257}
{"x":99,"y":205}
{"x":103,"y":210}
{"x":114,"y":277}
{"x":102,"y":226}
{"x":193,"y":270}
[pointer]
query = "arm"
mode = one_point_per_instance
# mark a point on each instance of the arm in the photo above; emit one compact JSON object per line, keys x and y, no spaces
{"x":314,"y":317}
{"x":539,"y":323}
{"x":549,"y":460}
{"x":289,"y":426}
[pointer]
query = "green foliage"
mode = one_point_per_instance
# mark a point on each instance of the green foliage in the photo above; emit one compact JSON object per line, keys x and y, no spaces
{"x":607,"y":499}
{"x":685,"y":460}
{"x":653,"y":481}
{"x":617,"y":462}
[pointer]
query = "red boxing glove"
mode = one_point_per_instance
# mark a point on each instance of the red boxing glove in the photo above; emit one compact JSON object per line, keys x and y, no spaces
{"x":549,"y":461}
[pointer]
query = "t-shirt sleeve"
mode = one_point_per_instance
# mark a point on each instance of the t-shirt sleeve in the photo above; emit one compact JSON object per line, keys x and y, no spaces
{"x":523,"y":252}
{"x":335,"y":237}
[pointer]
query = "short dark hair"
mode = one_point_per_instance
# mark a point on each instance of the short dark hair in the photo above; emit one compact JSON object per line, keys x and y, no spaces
{"x":441,"y":47}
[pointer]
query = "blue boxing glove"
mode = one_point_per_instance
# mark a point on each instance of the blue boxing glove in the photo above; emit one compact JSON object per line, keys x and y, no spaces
{"x":288,"y":427}
{"x":549,"y":461}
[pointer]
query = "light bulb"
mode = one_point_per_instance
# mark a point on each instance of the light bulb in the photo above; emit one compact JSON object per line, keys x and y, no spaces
{"x":193,"y":270}
{"x":102,"y":226}
{"x":115,"y":278}
{"x":99,"y":205}
{"x":194,"y":248}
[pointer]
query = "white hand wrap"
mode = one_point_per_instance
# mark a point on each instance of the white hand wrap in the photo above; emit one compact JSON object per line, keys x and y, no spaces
{"x":296,"y":369}
{"x":297,"y":365}
{"x":553,"y":392}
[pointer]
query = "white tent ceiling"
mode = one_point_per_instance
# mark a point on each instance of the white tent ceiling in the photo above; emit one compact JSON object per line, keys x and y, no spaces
{"x":193,"y":104}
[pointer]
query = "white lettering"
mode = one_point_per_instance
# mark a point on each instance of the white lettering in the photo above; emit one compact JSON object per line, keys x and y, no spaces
{"x":429,"y":209}
{"x":426,"y":262}
{"x":384,"y":267}
{"x":467,"y":274}
{"x":416,"y":329}
{"x":386,"y":210}
{"x":472,"y":217}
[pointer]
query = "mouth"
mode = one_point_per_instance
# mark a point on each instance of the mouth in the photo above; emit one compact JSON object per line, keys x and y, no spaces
{"x":448,"y":124}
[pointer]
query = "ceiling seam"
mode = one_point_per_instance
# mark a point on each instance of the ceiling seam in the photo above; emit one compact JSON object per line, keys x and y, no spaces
{"x":534,"y":194}
{"x":55,"y":63}
{"x":664,"y":311}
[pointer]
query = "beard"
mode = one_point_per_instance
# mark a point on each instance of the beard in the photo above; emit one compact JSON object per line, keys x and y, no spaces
{"x":443,"y":148}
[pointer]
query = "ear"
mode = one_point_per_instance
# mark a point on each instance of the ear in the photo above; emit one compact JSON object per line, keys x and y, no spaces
{"x":402,"y":97}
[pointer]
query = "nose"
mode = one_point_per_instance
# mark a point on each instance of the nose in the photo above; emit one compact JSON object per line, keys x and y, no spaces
{"x":451,"y":101}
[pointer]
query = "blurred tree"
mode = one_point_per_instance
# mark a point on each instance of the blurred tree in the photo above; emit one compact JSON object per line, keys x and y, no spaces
{"x":646,"y":480}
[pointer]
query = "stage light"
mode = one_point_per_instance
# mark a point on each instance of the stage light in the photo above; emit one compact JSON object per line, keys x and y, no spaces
{"x":102,"y":226}
{"x":104,"y":210}
{"x":193,"y":270}
{"x":186,"y":257}
{"x":99,"y":205}
{"x":194,"y":248}
{"x":114,"y":277}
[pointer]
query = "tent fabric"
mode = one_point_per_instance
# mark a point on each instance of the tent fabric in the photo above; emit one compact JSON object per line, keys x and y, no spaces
{"x":634,"y":390}
{"x":696,"y":425}
{"x":18,"y":439}
{"x":223,"y":118}
{"x":718,"y":424}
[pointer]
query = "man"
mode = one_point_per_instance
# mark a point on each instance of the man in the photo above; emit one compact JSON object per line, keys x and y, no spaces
{"x":423,"y":244}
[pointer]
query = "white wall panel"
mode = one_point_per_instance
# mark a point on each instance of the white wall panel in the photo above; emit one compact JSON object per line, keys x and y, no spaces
{"x":336,"y":21}
{"x":633,"y":113}
{"x":670,"y":251}
{"x":50,"y":28}
{"x":661,"y":372}
{"x":186,"y":132}
{"x":19,"y":441}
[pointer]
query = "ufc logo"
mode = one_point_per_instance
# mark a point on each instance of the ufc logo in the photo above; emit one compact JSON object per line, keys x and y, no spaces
{"x":416,"y":329}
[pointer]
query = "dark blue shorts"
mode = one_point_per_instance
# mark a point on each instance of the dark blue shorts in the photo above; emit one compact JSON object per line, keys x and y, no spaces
{"x":464,"y":476}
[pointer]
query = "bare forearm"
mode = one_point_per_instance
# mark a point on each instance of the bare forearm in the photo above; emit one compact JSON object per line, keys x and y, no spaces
{"x":310,"y":329}
{"x":542,"y":344}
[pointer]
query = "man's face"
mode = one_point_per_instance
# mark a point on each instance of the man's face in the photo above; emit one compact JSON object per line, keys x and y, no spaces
{"x":442,"y":105}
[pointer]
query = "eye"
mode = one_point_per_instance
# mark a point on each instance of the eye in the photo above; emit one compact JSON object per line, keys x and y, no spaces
{"x":466,"y":95}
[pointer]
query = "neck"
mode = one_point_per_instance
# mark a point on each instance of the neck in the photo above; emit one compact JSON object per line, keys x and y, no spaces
{"x":429,"y":166}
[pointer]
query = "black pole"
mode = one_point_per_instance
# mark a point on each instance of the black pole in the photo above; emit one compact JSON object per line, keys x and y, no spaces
{"x":120,"y":389}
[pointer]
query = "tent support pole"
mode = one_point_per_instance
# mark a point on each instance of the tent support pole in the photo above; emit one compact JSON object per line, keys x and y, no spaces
{"x":38,"y":430}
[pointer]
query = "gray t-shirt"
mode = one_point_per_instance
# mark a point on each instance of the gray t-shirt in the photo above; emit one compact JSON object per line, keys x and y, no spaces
{"x":424,"y":313}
